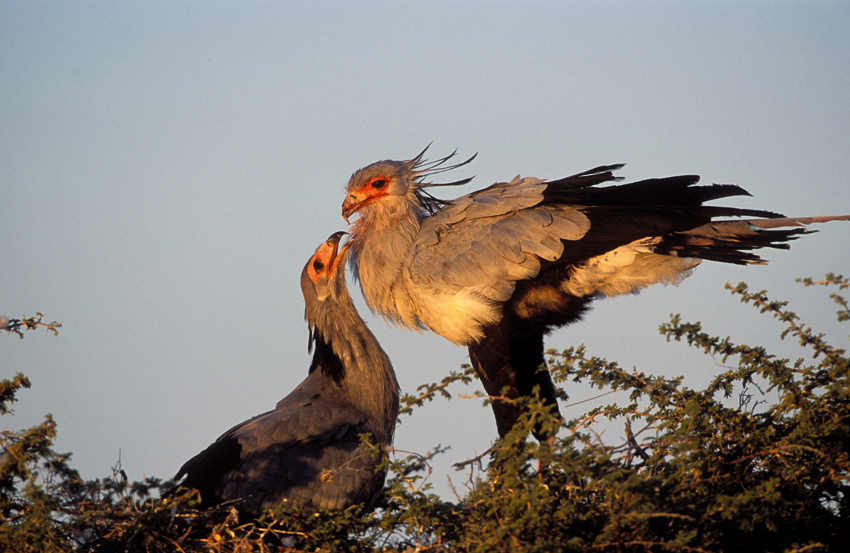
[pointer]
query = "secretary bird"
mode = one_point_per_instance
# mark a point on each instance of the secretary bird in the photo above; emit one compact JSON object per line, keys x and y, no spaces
{"x":499,"y":268}
{"x":307,"y":450}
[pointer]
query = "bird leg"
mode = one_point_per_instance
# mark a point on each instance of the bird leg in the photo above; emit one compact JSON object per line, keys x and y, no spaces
{"x":510,"y":357}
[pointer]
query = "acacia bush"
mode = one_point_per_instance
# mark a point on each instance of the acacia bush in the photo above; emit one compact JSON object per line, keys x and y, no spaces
{"x":718,"y":469}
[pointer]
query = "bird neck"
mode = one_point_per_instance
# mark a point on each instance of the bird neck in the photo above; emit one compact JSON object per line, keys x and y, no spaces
{"x":348,"y":354}
{"x":381,"y":242}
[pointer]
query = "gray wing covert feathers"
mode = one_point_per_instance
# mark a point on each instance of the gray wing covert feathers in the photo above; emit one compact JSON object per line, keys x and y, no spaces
{"x":306,"y":451}
{"x":308,"y":456}
{"x":496,"y":236}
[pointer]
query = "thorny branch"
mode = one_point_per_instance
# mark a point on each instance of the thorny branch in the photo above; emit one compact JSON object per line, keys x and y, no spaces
{"x":28,"y":323}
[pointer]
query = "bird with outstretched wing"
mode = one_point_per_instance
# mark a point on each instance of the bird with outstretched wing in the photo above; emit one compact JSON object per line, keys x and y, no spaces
{"x":499,"y":268}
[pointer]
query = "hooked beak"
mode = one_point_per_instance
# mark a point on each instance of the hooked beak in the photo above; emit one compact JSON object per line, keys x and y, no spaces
{"x":337,"y":254}
{"x":349,"y":206}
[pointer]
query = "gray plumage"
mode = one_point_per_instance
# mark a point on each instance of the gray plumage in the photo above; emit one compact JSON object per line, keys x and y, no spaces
{"x":497,"y":269}
{"x":307,"y":450}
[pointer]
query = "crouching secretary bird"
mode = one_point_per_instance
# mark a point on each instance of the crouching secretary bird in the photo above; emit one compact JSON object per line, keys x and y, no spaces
{"x":307,"y":450}
{"x":498,"y":269}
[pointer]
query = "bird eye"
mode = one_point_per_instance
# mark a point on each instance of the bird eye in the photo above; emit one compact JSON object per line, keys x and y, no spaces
{"x":318,"y":266}
{"x":379,"y":183}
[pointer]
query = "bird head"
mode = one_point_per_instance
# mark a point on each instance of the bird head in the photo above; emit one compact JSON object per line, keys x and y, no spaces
{"x":387,"y":187}
{"x":323,"y":275}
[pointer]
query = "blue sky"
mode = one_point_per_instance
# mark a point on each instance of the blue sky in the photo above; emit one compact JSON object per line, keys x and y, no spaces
{"x":167,"y":169}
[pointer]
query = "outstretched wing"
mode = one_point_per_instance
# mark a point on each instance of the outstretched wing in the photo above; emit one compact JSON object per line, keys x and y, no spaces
{"x":485,"y":242}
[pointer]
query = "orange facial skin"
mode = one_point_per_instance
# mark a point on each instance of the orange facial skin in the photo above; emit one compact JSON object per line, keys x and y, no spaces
{"x":326,"y":259}
{"x":372,"y":191}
